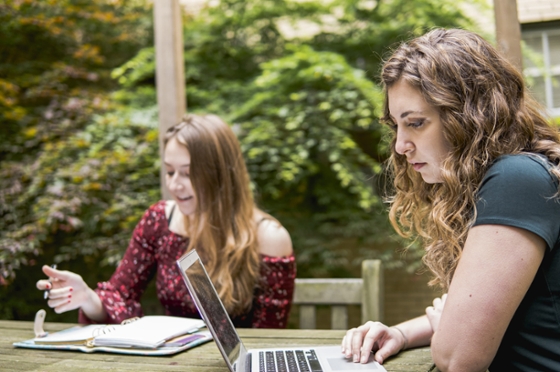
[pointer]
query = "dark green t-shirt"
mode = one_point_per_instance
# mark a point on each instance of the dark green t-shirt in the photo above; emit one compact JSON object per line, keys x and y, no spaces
{"x":518,"y":191}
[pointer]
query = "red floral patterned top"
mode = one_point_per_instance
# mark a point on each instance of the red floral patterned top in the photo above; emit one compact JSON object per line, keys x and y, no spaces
{"x":154,"y":249}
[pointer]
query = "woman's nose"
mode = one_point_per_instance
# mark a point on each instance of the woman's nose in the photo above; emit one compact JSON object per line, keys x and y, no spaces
{"x":403,"y":143}
{"x":174,"y":183}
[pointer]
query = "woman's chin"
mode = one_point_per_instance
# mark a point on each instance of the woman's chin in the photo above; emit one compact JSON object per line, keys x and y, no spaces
{"x":187,"y":207}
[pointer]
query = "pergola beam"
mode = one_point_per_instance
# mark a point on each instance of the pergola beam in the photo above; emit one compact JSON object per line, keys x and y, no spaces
{"x":508,"y":31}
{"x":170,"y":76}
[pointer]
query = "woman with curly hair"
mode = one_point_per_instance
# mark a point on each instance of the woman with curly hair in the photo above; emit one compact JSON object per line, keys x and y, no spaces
{"x":247,"y":253}
{"x":475,"y":168}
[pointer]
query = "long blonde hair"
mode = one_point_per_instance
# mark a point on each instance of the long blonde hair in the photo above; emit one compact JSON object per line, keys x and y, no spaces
{"x":223,"y":228}
{"x":486,"y":112}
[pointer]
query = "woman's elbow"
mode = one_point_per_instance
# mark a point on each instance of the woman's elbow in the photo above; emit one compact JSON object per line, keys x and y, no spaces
{"x":459,"y":365}
{"x":455,"y":357}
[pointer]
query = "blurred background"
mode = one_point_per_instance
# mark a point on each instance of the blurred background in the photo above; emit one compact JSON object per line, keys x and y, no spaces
{"x":298,"y":80}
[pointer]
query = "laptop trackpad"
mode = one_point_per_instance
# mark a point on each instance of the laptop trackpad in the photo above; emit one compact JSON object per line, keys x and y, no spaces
{"x":338,"y":363}
{"x":343,"y":364}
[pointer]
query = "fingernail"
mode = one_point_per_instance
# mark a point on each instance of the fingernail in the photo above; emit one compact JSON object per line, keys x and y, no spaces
{"x":69,"y":301}
{"x":71,"y":289}
{"x":69,"y":296}
{"x":356,"y":358}
{"x":48,"y":286}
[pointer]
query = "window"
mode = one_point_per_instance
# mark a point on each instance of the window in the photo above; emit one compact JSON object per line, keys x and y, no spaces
{"x":542,"y":65}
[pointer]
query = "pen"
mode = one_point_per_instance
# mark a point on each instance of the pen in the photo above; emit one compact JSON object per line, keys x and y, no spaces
{"x":53,"y":266}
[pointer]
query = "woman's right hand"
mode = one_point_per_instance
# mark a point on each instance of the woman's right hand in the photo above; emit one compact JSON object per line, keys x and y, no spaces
{"x":68,"y":291}
{"x":372,"y":337}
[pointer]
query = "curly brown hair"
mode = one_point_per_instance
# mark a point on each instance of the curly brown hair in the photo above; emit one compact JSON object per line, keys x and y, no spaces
{"x":486,"y":112}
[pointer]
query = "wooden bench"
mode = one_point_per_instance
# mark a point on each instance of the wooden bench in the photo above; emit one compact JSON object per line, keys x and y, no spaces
{"x":338,"y":294}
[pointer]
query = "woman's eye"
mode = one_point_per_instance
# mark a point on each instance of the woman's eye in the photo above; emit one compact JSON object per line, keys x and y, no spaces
{"x":416,"y":123}
{"x":170,"y":174}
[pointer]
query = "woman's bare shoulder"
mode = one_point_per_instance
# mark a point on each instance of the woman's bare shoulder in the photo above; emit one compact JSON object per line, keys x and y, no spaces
{"x":274,"y":240}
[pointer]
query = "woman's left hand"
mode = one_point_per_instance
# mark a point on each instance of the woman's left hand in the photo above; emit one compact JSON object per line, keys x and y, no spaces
{"x":372,"y":337}
{"x":434,"y":312}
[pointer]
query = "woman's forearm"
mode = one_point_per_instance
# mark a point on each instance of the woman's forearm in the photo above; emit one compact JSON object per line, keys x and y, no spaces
{"x":93,"y":307}
{"x":417,"y":332}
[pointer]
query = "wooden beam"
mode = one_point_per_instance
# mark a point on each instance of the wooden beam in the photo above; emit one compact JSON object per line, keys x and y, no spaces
{"x":373,"y":294}
{"x":508,"y":31}
{"x":170,"y":76}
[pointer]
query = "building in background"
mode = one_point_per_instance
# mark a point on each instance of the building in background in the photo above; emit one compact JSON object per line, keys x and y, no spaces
{"x":540,"y":31}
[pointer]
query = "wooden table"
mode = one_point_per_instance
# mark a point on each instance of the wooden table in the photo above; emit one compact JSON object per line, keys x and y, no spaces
{"x":204,"y":358}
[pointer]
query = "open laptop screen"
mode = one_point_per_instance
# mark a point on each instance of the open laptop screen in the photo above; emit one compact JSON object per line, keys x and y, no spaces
{"x":210,"y":306}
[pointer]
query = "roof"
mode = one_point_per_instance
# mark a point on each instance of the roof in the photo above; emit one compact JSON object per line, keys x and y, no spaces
{"x":531,"y":11}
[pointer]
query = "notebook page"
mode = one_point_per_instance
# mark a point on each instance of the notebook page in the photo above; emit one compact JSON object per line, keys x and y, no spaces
{"x":149,"y":332}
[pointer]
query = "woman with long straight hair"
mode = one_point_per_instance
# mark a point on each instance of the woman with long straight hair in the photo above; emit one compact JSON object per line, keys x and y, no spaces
{"x":247,"y":253}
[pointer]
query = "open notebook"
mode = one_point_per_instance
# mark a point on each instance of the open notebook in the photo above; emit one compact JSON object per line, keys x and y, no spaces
{"x":149,"y":335}
{"x":236,"y":356}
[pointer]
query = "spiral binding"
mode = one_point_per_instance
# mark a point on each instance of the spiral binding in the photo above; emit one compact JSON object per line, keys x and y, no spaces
{"x":107,"y":329}
{"x":102,"y":330}
{"x":130,"y":320}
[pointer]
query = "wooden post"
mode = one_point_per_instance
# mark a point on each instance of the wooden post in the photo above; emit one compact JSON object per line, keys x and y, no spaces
{"x":373,"y":290}
{"x":170,"y":77}
{"x":508,"y":31}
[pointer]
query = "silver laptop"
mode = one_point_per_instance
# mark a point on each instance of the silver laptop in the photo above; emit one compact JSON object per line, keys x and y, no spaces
{"x":236,"y":356}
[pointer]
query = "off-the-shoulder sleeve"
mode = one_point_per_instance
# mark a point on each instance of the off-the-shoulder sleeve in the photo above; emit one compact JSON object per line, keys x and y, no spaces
{"x":273,"y":297}
{"x":120,"y":295}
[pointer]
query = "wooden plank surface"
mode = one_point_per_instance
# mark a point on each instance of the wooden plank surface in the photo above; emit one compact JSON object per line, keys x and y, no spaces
{"x":328,"y":291}
{"x":202,"y":358}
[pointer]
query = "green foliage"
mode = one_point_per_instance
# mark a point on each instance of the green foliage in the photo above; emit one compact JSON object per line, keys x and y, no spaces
{"x":56,"y":59}
{"x":102,"y":179}
{"x":369,"y":29}
{"x":86,"y":193}
{"x":300,"y":136}
{"x":54,"y":77}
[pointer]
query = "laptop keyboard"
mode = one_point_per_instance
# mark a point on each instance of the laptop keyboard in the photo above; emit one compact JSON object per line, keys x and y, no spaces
{"x":289,"y":361}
